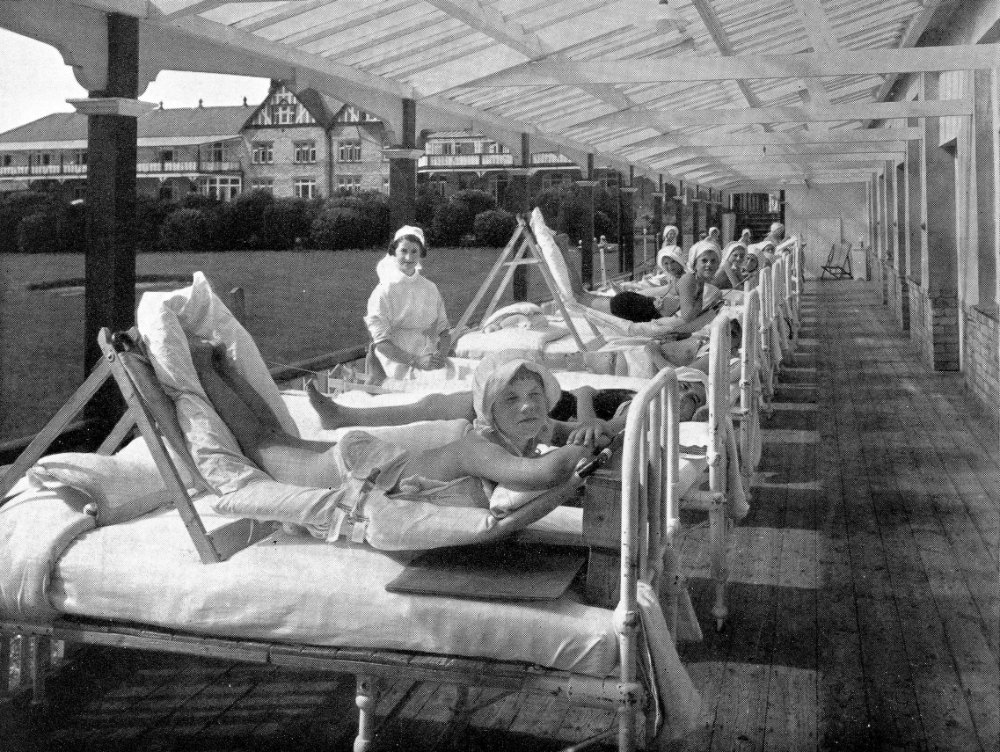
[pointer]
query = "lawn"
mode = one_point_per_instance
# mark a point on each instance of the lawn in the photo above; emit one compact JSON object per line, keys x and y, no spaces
{"x":299,"y":304}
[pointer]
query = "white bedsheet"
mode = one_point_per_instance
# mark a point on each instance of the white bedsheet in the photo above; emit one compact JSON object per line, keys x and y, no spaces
{"x":300,"y":589}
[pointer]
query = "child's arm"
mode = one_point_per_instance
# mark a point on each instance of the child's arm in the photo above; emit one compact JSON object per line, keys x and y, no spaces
{"x":483,"y":459}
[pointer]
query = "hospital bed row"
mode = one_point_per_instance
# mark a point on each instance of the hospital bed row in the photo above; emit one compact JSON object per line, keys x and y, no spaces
{"x":126,"y":547}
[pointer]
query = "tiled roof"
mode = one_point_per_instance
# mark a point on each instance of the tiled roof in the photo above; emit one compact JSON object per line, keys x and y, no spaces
{"x":181,"y":122}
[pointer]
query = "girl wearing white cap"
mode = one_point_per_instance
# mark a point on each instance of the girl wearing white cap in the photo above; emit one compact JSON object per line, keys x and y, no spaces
{"x":406,"y":314}
{"x":730,"y":275}
{"x":512,"y":398}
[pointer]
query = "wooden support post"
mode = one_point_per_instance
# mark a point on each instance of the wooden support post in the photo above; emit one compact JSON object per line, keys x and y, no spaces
{"x":626,"y":235}
{"x":520,"y":177}
{"x":110,"y":203}
{"x":403,"y":169}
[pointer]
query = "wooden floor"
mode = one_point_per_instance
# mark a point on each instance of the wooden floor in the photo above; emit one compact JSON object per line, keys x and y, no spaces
{"x":864,"y":597}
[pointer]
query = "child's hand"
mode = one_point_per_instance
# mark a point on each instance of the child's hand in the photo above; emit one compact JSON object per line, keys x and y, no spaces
{"x":590,"y":434}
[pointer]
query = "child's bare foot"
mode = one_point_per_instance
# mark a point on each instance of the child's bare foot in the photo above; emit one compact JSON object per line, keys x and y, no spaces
{"x":326,"y":408}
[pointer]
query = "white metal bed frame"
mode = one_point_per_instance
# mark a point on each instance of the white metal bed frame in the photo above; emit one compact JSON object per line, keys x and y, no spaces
{"x":649,"y":491}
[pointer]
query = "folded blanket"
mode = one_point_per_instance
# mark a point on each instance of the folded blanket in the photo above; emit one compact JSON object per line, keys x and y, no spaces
{"x":36,"y":526}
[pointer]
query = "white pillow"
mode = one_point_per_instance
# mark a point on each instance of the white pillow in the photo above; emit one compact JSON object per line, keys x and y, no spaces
{"x":121,"y":488}
{"x":524,"y":308}
{"x":552,"y":255}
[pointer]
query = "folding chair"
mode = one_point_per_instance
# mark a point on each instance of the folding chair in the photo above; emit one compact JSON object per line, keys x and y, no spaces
{"x":153,"y":413}
{"x":521,"y":250}
{"x":838,"y":262}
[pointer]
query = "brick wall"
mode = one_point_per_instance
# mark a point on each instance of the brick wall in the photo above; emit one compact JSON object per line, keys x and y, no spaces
{"x":981,"y":368}
{"x":943,"y":324}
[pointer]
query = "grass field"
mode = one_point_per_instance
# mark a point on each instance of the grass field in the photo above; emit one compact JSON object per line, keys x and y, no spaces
{"x":299,"y":304}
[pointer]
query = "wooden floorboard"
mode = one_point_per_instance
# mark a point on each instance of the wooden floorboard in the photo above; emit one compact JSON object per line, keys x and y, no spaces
{"x":863,"y":598}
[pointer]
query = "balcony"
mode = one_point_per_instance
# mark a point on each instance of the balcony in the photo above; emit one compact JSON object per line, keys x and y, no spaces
{"x":489,"y":161}
{"x":164,"y":169}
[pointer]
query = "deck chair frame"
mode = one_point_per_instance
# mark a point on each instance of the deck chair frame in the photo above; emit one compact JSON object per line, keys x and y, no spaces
{"x":151,"y":411}
{"x":838,"y":268}
{"x":521,"y":250}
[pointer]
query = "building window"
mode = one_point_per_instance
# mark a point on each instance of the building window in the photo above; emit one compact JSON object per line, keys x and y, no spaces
{"x":284,"y":114}
{"x":80,"y":157}
{"x":217,"y":152}
{"x":350,"y":183}
{"x":305,"y":152}
{"x":41,"y":159}
{"x":305,"y":187}
{"x":222,"y":188}
{"x":349,"y":151}
{"x":8,"y":160}
{"x":263,"y":152}
{"x":167,"y":155}
{"x":284,"y":96}
{"x":262,"y":184}
{"x":385,"y":185}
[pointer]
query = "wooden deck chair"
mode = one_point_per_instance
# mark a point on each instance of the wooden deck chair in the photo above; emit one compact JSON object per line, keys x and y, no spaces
{"x":521,"y":250}
{"x":838,"y":262}
{"x":152,"y":411}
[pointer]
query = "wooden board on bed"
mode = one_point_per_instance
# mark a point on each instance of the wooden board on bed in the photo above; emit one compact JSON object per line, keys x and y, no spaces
{"x":504,"y":571}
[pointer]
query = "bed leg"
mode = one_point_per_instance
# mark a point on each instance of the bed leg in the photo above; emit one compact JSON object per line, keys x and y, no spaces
{"x":4,"y":665}
{"x":41,"y":654}
{"x":719,"y":549}
{"x":367,"y":691}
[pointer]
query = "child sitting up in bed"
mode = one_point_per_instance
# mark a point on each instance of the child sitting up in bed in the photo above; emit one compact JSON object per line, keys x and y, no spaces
{"x":511,"y":398}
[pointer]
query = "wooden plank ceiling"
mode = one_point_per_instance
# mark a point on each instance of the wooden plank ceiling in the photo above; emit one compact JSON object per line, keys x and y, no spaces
{"x":725,"y":93}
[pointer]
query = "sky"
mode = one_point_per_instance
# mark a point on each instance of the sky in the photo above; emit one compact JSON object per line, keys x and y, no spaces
{"x":34,"y":81}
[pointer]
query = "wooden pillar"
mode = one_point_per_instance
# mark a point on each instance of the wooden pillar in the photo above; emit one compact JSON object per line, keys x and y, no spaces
{"x":109,"y":264}
{"x":403,"y":169}
{"x":902,"y":252}
{"x":658,"y":219}
{"x":939,"y":259}
{"x":626,"y":225}
{"x":586,"y":230}
{"x":984,"y":164}
{"x":914,"y":172}
{"x":519,"y":286}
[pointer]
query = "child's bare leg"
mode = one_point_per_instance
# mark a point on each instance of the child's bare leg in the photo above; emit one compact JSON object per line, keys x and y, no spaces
{"x":432,"y":407}
{"x":244,"y":423}
{"x":238,"y":383}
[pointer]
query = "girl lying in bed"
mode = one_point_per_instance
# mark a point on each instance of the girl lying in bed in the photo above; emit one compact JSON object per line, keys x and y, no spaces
{"x":511,"y":399}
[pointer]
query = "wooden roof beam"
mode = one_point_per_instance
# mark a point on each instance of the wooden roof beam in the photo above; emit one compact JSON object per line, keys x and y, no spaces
{"x":743,"y":67}
{"x":667,"y":119}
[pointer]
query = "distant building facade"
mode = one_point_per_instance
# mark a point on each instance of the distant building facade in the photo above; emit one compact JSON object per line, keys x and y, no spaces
{"x":303,"y":144}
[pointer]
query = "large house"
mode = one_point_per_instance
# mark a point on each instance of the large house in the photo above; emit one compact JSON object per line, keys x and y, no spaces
{"x":303,"y":144}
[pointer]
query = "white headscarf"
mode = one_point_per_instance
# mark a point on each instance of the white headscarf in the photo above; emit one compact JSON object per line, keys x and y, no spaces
{"x":493,"y":374}
{"x":702,"y":246}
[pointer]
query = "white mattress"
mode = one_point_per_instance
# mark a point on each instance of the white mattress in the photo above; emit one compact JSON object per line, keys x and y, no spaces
{"x":301,"y":590}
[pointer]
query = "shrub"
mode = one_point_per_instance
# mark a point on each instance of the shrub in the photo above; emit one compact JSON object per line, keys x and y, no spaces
{"x":37,"y":233}
{"x":451,"y":221}
{"x":17,"y":206}
{"x":494,"y":227}
{"x":286,"y":220}
{"x":373,"y":209}
{"x":549,"y":202}
{"x":150,"y":213}
{"x":477,"y":201}
{"x":185,"y":230}
{"x":337,"y":228}
{"x":427,"y":202}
